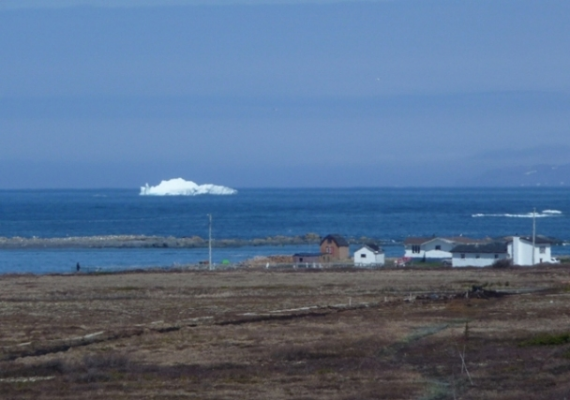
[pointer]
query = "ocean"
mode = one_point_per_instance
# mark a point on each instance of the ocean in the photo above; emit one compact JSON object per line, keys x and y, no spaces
{"x":388,"y":215}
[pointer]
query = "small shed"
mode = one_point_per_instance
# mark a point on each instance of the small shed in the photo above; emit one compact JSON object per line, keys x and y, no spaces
{"x":369,"y":255}
{"x":306,"y":258}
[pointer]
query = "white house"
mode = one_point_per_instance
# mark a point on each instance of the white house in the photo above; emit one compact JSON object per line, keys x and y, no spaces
{"x":434,"y":248}
{"x":369,"y":255}
{"x":479,"y":255}
{"x":518,"y":250}
{"x":521,"y":250}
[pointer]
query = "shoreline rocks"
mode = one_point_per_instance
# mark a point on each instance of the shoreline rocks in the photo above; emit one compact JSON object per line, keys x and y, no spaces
{"x":142,"y":241}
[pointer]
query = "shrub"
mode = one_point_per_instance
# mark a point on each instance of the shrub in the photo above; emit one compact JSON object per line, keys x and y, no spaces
{"x":98,"y":368}
{"x":546,"y":339}
{"x":504,"y":263}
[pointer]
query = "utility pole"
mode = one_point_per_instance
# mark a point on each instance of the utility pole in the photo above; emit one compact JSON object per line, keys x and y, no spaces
{"x":210,"y":243}
{"x":533,"y":234}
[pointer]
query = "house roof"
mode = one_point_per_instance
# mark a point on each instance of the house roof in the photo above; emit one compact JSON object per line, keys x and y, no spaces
{"x":539,"y":239}
{"x":335,"y":237}
{"x":453,"y":239}
{"x":416,"y":240}
{"x":372,"y":247}
{"x":466,"y":240}
{"x":492,"y":247}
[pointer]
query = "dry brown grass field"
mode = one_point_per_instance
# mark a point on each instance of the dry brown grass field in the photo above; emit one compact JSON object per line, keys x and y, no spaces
{"x":258,"y":334}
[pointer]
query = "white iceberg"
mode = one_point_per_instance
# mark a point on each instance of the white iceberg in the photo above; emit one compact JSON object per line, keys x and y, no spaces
{"x":180,"y":187}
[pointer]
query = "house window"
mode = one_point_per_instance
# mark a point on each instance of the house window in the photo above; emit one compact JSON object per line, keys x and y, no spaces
{"x":542,"y":249}
{"x":415,"y":249}
{"x":329,"y":249}
{"x":462,"y":255}
{"x":438,"y":247}
{"x":363,"y":256}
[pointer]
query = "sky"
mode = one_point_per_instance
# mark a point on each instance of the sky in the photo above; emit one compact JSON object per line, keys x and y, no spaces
{"x":292,"y":93}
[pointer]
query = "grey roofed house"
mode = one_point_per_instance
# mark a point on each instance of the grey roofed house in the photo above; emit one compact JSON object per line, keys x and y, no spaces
{"x":369,"y":255}
{"x":487,"y":248}
{"x":480,"y":254}
{"x":435,"y":247}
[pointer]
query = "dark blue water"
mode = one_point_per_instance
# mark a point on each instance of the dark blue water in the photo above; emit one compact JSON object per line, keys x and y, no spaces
{"x":386,"y":214}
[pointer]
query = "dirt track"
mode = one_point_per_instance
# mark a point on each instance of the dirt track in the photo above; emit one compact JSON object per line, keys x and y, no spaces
{"x":256,"y":334}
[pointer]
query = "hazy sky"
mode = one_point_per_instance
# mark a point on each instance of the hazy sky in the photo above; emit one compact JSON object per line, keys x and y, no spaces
{"x":280,"y":93}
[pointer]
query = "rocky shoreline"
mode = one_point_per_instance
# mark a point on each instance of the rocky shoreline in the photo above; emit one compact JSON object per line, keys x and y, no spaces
{"x":141,"y":241}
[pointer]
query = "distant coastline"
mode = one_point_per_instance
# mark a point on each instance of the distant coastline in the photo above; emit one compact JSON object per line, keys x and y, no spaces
{"x":170,"y":242}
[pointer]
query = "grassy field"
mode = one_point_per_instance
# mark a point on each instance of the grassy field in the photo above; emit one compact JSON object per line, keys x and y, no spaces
{"x":257,"y":334}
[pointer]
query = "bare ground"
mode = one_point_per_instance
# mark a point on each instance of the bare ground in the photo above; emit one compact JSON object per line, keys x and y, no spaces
{"x":257,"y":334}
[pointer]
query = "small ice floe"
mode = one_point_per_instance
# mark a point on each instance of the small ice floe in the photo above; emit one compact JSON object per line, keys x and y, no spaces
{"x":543,"y":214}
